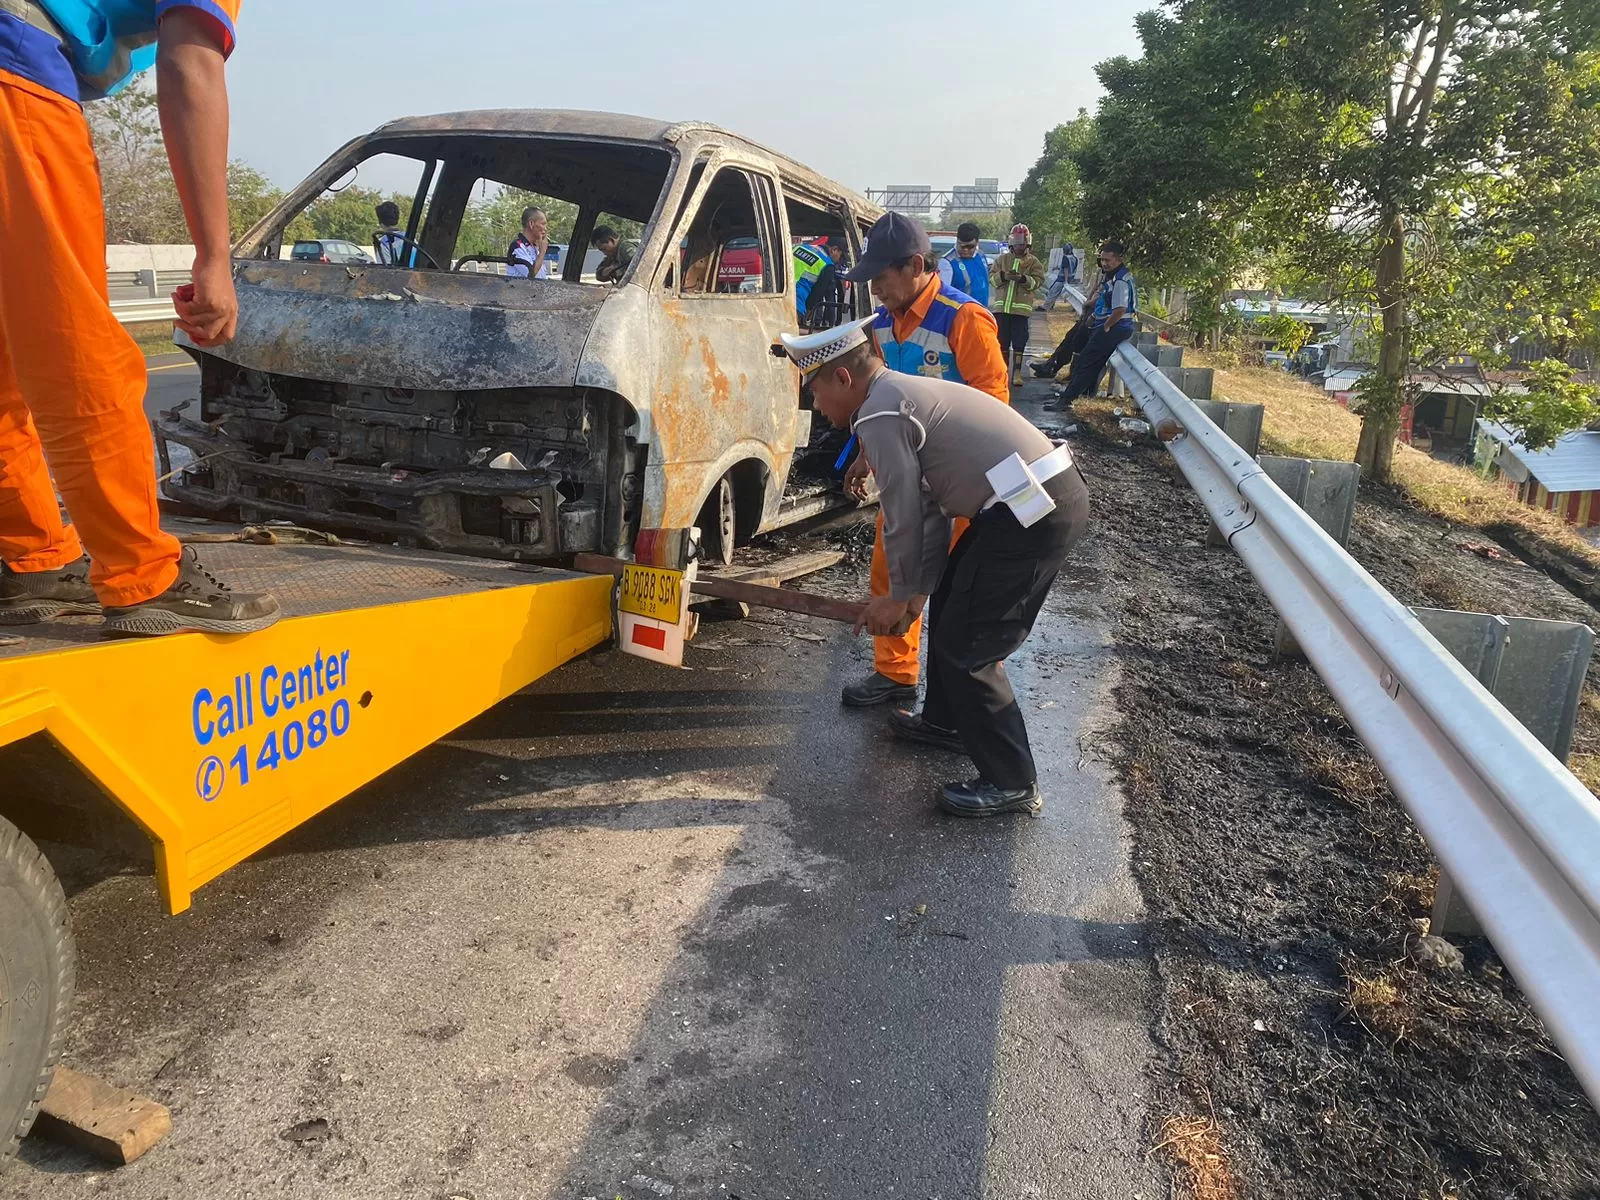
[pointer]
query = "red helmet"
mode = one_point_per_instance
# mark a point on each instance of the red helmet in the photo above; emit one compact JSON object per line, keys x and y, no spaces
{"x":1021,"y":235}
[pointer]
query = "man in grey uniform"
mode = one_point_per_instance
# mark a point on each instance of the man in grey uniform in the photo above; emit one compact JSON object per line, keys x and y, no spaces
{"x":937,"y":449}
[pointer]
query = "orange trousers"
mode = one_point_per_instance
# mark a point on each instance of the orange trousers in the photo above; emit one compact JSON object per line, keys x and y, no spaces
{"x":72,"y":381}
{"x":896,"y":657}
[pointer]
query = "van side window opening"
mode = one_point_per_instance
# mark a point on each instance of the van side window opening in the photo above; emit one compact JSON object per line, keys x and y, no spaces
{"x":728,"y":249}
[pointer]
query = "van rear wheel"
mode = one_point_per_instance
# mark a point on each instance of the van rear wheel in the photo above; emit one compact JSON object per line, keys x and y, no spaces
{"x":718,"y":527}
{"x":37,"y":970}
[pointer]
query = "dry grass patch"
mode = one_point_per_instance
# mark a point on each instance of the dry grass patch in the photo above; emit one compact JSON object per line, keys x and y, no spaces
{"x":154,"y":337}
{"x":1195,"y":1146}
{"x":1377,"y":1004}
{"x":1302,"y":422}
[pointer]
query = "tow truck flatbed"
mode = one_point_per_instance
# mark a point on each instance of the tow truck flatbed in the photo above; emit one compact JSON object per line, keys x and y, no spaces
{"x":216,"y":745}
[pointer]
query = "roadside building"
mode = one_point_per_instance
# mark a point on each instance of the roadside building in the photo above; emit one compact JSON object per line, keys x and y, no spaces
{"x":1563,"y":479}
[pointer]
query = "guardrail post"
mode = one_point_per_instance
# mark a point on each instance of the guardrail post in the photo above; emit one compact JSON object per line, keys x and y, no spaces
{"x":1535,"y":668}
{"x":1326,"y":491}
{"x":1242,"y":423}
{"x":1197,"y":382}
{"x":147,"y":280}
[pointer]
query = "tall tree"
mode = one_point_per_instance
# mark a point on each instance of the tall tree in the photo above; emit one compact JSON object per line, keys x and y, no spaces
{"x":141,"y":201}
{"x":1050,"y":199}
{"x":1384,"y":145}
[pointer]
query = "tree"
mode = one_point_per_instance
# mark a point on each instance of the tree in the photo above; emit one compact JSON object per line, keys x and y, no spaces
{"x":141,"y":201}
{"x":1050,"y":200}
{"x":1385,"y":146}
{"x":250,"y":197}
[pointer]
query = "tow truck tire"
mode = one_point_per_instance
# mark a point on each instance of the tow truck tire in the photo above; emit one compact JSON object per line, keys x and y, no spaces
{"x":37,"y":970}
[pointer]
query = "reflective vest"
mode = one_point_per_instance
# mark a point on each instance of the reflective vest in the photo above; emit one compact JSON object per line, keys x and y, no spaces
{"x":970,"y":275}
{"x":1103,"y":306}
{"x":926,"y":350}
{"x":809,"y":262}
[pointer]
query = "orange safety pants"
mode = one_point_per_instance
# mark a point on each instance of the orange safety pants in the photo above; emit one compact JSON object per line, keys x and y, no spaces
{"x":896,"y":657}
{"x":72,"y":381}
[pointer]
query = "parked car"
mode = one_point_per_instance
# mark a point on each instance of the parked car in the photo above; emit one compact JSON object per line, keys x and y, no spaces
{"x":329,"y":251}
{"x":356,"y":401}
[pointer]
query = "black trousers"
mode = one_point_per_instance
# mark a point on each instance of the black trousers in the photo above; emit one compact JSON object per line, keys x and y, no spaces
{"x":1013,"y":330}
{"x":1069,"y":346}
{"x":983,"y":610}
{"x":1092,"y":359}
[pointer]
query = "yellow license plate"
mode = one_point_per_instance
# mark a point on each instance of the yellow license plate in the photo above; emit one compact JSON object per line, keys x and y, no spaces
{"x":654,"y":592}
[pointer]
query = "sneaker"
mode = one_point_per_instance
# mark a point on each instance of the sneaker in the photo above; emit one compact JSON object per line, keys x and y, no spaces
{"x":980,"y":798}
{"x":878,"y":689}
{"x":911,"y":727}
{"x":197,"y":602}
{"x":28,"y":597}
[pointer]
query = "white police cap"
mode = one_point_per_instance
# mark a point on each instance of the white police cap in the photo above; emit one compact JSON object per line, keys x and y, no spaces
{"x":810,"y":350}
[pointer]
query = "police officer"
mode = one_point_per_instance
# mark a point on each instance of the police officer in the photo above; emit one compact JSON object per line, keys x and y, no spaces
{"x":924,"y":327}
{"x":941,"y":450}
{"x":814,"y":271}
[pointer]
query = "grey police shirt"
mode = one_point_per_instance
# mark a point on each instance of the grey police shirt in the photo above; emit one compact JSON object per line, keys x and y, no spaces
{"x":930,"y":444}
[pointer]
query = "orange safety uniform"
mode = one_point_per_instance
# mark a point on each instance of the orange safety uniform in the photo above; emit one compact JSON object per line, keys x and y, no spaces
{"x":974,"y":346}
{"x":72,"y":380}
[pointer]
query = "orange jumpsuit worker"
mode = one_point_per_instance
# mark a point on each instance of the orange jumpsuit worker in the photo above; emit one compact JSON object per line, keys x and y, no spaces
{"x":72,"y":381}
{"x":924,"y":327}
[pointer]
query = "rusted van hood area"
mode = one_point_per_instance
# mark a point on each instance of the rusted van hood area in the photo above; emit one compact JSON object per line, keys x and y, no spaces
{"x":410,"y":329}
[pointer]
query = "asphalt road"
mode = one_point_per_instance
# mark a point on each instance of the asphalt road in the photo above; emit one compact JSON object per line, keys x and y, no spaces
{"x":173,"y":379}
{"x":640,"y":932}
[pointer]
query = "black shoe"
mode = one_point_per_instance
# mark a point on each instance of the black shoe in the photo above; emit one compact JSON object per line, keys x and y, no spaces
{"x":980,"y":798}
{"x":28,"y":597}
{"x":1043,"y":370}
{"x":196,"y":602}
{"x":1059,"y":405}
{"x":913,"y":728}
{"x":878,"y":689}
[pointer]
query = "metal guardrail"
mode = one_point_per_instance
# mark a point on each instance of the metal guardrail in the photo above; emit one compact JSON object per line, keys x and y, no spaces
{"x":136,"y":312}
{"x":1516,"y":831}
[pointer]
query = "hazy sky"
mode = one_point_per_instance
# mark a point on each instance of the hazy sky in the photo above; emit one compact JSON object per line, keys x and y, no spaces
{"x":933,"y":93}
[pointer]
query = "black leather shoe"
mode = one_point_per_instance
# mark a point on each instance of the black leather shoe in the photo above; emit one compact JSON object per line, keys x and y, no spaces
{"x":913,"y":728}
{"x":878,"y":689}
{"x":1062,"y":405}
{"x":980,"y":798}
{"x":1043,"y":370}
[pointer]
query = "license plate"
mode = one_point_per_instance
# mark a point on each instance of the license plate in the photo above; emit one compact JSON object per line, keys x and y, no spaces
{"x":654,"y":592}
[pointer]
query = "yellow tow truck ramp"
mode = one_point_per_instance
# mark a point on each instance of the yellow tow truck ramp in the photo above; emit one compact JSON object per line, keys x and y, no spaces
{"x":214,"y":746}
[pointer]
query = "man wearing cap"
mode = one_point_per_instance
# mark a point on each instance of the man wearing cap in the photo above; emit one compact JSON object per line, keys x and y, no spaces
{"x":942,"y":450}
{"x":1110,"y":324}
{"x":923,"y":327}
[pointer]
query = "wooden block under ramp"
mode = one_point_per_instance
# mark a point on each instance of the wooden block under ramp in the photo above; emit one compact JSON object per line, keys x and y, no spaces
{"x":109,"y":1122}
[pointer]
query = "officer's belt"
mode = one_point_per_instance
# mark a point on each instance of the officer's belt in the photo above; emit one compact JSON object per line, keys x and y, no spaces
{"x":1044,"y":469}
{"x":30,"y":13}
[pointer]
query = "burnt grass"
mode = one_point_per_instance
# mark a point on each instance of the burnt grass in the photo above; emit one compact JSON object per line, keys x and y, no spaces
{"x":1286,"y":884}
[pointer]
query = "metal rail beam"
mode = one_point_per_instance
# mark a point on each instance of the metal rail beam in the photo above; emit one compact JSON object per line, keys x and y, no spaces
{"x":1515,"y":830}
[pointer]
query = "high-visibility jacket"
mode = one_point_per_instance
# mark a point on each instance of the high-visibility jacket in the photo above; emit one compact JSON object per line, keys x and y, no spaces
{"x":809,"y":262}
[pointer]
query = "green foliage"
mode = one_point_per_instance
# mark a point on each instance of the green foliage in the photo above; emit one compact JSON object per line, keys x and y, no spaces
{"x":995,"y":225}
{"x":1283,"y":331}
{"x":1555,"y":403}
{"x":141,"y":201}
{"x":1050,"y":200}
{"x":250,"y":197}
{"x":1436,"y":164}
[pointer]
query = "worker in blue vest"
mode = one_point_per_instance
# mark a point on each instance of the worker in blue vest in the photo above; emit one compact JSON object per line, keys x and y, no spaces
{"x":1116,"y":307}
{"x":966,"y":267}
